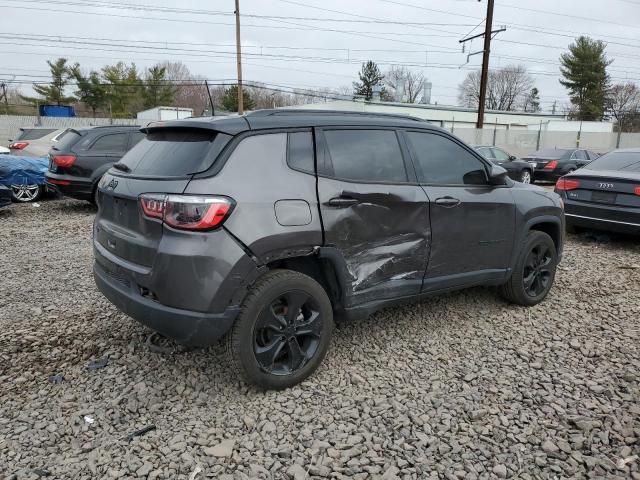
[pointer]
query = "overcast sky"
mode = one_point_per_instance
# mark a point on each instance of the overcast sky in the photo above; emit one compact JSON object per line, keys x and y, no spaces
{"x":302,"y":52}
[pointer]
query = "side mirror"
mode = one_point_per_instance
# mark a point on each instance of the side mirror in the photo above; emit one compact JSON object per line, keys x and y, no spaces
{"x":512,"y":157}
{"x":497,"y":175}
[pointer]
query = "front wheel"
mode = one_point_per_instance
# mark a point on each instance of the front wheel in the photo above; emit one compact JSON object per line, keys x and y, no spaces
{"x":26,"y":193}
{"x":283,"y":330}
{"x":535,"y":271}
{"x":525,"y":176}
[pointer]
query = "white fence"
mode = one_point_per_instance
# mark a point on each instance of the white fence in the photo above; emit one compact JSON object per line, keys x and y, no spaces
{"x":9,"y":124}
{"x":522,"y":142}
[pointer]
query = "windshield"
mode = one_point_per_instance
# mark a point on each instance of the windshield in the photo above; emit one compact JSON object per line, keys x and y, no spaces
{"x":618,"y":161}
{"x":175,"y":152}
{"x":552,"y":152}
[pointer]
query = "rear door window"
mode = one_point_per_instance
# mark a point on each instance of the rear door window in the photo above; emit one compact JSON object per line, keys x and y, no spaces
{"x":175,"y":152}
{"x":580,"y":155}
{"x":115,"y":142}
{"x":486,"y":152}
{"x":366,"y":155}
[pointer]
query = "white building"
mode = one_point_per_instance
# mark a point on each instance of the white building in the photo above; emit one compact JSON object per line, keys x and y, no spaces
{"x":453,"y":118}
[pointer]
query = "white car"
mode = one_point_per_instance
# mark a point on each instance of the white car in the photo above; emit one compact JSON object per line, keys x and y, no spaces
{"x":35,"y":141}
{"x":4,"y":150}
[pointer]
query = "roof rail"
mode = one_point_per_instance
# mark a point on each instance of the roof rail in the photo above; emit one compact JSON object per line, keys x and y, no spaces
{"x":292,"y":111}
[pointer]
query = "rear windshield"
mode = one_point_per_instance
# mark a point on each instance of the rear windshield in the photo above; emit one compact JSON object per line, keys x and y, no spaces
{"x":617,"y":161}
{"x":66,"y":140}
{"x":34,"y":133}
{"x":552,"y":152}
{"x":175,"y":152}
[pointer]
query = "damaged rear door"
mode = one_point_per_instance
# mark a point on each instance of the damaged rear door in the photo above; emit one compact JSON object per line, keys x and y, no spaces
{"x":375,"y":215}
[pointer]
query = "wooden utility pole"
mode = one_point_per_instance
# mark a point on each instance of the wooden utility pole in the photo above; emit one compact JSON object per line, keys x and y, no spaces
{"x":485,"y":64}
{"x":484,"y":76}
{"x":239,"y":59}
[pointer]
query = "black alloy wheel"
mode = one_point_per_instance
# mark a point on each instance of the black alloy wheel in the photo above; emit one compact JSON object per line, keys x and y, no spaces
{"x":287,"y":333}
{"x":282,"y":332}
{"x":537,"y":272}
{"x":534,"y":271}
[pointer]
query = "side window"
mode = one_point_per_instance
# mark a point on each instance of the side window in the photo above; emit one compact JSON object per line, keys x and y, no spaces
{"x":441,"y":161}
{"x":500,"y":155}
{"x":300,"y":151}
{"x":115,"y":142}
{"x":486,"y":152}
{"x":366,"y":155}
{"x":581,"y":155}
{"x":134,"y":138}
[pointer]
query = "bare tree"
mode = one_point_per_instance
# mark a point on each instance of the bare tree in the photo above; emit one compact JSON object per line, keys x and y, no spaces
{"x":190,"y":89}
{"x":623,"y":103}
{"x":507,"y":88}
{"x":404,"y":84}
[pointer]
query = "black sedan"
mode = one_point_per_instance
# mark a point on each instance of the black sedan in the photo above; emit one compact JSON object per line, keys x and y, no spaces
{"x":5,"y":196}
{"x":552,"y":163}
{"x":517,"y":169}
{"x":605,"y":195}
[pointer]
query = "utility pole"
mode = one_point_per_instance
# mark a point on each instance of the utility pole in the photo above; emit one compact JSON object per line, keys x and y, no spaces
{"x":206,"y":85}
{"x":239,"y":59}
{"x":488,"y":32}
{"x":485,"y":64}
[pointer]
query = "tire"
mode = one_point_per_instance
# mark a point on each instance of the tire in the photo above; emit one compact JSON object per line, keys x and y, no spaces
{"x":26,"y":193}
{"x":526,"y":176}
{"x":265,"y":342}
{"x":538,"y":254}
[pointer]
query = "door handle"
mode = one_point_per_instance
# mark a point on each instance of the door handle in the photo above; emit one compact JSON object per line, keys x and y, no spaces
{"x":342,"y":202}
{"x":448,"y":202}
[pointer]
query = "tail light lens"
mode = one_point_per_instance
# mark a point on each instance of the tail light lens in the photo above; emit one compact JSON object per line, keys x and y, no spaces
{"x":567,"y":184}
{"x":551,"y":165}
{"x":18,"y":145}
{"x":64,"y":161}
{"x":187,"y":212}
{"x":637,"y":190}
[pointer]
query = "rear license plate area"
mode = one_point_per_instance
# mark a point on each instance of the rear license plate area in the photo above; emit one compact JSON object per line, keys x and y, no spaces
{"x":603,"y":197}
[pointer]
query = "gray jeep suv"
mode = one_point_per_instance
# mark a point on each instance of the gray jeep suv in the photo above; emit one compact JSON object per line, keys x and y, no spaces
{"x":265,"y":228}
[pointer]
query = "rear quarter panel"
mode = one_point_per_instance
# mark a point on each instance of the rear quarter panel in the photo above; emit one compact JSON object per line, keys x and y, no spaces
{"x":276,"y":213}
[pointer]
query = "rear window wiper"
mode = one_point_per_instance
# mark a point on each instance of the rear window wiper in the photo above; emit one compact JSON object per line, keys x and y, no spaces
{"x":122,"y":167}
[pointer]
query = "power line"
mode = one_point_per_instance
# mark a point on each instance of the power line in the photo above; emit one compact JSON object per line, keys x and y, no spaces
{"x":567,"y":15}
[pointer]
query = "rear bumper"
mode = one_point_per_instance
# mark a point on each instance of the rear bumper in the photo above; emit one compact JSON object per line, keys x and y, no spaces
{"x":602,"y":217}
{"x":184,"y":326}
{"x":70,"y":186}
{"x":546,"y":175}
{"x":617,"y":226}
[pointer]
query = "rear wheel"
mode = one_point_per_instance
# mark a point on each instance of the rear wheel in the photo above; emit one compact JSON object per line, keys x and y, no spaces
{"x":282,"y":332}
{"x":26,"y":193}
{"x":525,"y":176}
{"x":535,"y":271}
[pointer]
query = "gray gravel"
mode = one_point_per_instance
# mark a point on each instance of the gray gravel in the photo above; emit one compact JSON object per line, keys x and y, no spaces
{"x":461,"y":387}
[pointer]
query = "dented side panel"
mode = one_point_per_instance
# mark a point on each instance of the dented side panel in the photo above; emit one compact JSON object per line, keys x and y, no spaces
{"x":383,"y":237}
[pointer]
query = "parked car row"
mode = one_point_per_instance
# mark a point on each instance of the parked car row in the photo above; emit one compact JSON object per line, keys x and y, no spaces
{"x":547,"y":164}
{"x":71,"y":161}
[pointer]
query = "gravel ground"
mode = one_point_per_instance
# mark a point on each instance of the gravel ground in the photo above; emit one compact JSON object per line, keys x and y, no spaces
{"x":463,"y":386}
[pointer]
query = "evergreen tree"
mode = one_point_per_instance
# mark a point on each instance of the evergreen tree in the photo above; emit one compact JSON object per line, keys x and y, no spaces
{"x":53,"y":93}
{"x":123,"y":89}
{"x":158,"y":90}
{"x":584,"y":69}
{"x":230,"y":99}
{"x":91,"y":90}
{"x":370,"y":76}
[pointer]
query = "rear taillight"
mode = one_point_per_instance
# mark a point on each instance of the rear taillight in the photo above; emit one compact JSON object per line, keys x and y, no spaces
{"x":58,"y":182}
{"x":187,"y":212}
{"x":567,"y":184}
{"x":551,"y":165}
{"x":18,"y":145}
{"x":637,"y":190}
{"x":64,"y":161}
